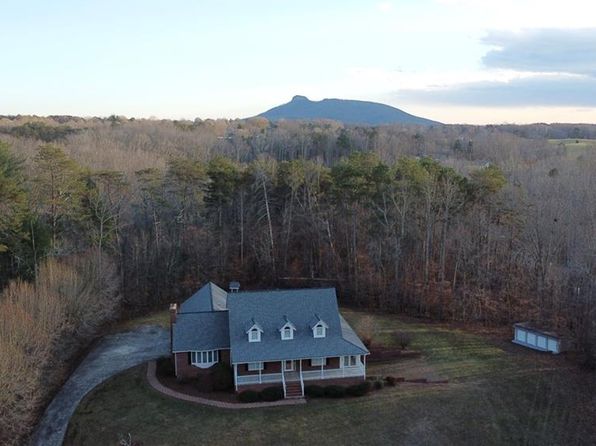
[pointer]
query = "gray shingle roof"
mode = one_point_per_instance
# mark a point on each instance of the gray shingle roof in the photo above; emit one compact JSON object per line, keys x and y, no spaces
{"x":201,"y":331}
{"x":209,"y":298}
{"x":299,"y":306}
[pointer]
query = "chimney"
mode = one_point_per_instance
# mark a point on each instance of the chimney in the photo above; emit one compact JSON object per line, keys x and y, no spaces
{"x":234,"y":286}
{"x":173,"y":314}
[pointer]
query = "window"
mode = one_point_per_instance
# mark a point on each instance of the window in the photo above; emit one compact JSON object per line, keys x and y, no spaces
{"x":287,"y":333}
{"x":254,"y":335}
{"x":350,"y":361}
{"x":318,"y":362}
{"x":319,"y":331}
{"x":204,"y":359}
{"x":254,"y":366}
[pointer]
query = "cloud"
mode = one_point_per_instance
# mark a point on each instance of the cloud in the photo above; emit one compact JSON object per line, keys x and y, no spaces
{"x":385,"y":6}
{"x":539,"y":90}
{"x":543,"y":50}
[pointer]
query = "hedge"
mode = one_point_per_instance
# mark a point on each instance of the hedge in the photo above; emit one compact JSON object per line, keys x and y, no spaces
{"x":272,"y":393}
{"x":359,"y":389}
{"x":314,"y":391}
{"x":335,"y":391}
{"x":248,"y":396}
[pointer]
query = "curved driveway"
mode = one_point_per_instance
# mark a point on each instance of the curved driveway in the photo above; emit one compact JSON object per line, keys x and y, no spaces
{"x":113,"y":354}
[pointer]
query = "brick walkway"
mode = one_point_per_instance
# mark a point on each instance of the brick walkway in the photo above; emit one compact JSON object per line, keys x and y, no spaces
{"x":153,"y":381}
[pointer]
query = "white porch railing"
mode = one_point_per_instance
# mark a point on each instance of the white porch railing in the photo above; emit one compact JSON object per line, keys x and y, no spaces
{"x":264,"y":378}
{"x":345,"y":372}
{"x":307,"y":375}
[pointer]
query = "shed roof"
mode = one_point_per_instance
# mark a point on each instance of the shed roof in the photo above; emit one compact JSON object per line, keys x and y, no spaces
{"x":299,"y":306}
{"x":532,"y":327}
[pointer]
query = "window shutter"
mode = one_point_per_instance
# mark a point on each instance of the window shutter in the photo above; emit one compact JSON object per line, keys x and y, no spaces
{"x":188,"y":360}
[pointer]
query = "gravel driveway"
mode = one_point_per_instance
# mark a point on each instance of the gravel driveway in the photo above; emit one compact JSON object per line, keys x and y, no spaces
{"x":113,"y":354}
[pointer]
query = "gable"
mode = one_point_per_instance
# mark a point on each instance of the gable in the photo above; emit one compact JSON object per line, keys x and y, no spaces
{"x":209,"y":298}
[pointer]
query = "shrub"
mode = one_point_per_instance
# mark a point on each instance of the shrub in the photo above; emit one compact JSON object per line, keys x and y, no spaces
{"x":165,"y":367}
{"x":314,"y":391}
{"x":359,"y":389}
{"x":335,"y":391}
{"x":390,"y":381}
{"x":402,"y":339}
{"x":222,"y":377}
{"x":248,"y":396}
{"x":367,"y":328}
{"x":378,"y":384}
{"x":272,"y":393}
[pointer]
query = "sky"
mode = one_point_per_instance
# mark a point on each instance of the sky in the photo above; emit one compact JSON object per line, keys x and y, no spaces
{"x":454,"y":61}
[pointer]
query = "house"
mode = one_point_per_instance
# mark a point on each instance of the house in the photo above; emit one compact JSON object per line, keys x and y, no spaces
{"x":530,"y":336}
{"x":290,"y":338}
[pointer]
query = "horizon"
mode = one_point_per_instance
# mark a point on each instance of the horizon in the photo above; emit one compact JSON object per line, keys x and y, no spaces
{"x":452,"y":61}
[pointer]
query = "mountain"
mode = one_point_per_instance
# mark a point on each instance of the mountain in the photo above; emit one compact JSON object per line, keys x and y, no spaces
{"x":343,"y":110}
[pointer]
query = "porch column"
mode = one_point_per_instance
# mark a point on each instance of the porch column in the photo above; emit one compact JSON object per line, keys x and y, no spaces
{"x":260,"y":381}
{"x":236,"y":376}
{"x":364,"y":360}
{"x":322,"y":369}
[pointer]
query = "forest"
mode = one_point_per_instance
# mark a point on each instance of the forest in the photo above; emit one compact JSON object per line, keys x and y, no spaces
{"x":104,"y":218}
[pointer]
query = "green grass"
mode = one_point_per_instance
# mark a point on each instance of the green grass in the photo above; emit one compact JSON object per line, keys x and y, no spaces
{"x":499,"y":394}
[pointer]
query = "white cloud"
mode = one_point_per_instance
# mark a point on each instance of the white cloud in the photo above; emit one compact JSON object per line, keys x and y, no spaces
{"x":385,"y":6}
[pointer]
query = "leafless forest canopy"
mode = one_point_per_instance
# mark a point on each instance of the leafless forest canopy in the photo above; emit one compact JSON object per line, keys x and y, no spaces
{"x":485,"y":224}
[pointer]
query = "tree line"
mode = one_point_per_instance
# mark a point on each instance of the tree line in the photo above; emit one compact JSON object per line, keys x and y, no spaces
{"x":457,"y":223}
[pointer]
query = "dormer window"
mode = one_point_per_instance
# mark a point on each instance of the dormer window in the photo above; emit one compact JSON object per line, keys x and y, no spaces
{"x":319,"y":327}
{"x":287,"y":329}
{"x":255,"y":335}
{"x":254,"y":331}
{"x":319,"y":331}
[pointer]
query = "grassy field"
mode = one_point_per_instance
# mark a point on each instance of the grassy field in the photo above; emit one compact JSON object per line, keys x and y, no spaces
{"x":575,"y":147}
{"x":499,"y":394}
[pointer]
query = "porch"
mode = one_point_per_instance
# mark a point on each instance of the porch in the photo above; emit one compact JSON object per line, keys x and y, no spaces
{"x":292,"y":374}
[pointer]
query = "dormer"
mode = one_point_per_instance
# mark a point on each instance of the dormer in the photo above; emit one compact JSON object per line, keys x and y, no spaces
{"x":287,"y":329}
{"x":318,"y":327}
{"x":254,"y":331}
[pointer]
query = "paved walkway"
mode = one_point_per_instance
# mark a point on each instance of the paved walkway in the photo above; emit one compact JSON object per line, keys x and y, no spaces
{"x":113,"y":354}
{"x":153,"y":381}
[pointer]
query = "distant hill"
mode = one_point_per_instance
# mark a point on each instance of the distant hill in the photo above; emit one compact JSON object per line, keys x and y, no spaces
{"x":343,"y":110}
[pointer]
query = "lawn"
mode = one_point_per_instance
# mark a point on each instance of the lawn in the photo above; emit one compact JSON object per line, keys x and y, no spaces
{"x":499,"y":394}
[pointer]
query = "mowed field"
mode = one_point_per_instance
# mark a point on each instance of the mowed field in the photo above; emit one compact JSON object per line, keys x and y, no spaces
{"x":575,"y":147}
{"x":498,"y":394}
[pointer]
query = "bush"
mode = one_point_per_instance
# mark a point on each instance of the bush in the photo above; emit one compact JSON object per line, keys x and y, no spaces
{"x":272,"y":393}
{"x":335,"y":391}
{"x":368,"y":330}
{"x":390,"y":381}
{"x":248,"y":396}
{"x":314,"y":391}
{"x":359,"y":389}
{"x":378,"y":384}
{"x":222,"y":377}
{"x":402,"y":339}
{"x":165,"y":366}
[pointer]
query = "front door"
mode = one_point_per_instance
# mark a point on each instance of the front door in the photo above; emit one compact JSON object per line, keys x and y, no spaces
{"x":288,"y":366}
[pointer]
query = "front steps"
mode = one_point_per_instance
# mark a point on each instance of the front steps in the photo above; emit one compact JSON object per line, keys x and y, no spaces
{"x":294,"y":389}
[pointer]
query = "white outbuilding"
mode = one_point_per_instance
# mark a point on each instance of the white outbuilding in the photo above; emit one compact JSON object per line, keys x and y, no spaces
{"x":529,"y":336}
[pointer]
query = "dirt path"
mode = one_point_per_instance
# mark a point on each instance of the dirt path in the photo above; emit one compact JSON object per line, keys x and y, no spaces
{"x":113,"y":354}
